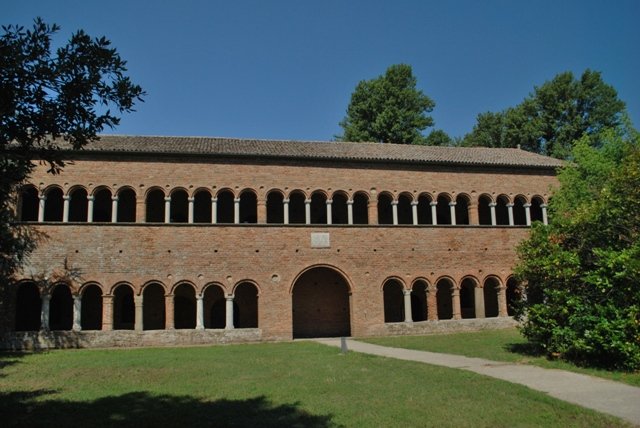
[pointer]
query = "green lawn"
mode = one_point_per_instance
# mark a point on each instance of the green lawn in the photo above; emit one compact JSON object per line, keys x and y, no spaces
{"x":499,"y":345}
{"x":301,"y":384}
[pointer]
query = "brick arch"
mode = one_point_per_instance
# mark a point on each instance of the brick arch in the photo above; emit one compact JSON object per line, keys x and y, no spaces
{"x":463,"y":208}
{"x":91,"y":293}
{"x":126,"y":187}
{"x":201,"y":189}
{"x":393,"y":278}
{"x":292,"y":191}
{"x":443,"y":211}
{"x":444,"y":301}
{"x":28,"y":303}
{"x":468,"y":296}
{"x":274,"y":190}
{"x":76,"y":187}
{"x":214,"y":304}
{"x":248,"y":205}
{"x":339,"y":207}
{"x":420,"y":287}
{"x":274,"y":201}
{"x":113,"y":288}
{"x":224,"y":189}
{"x":318,"y":207}
{"x":248,"y":281}
{"x":178,"y":189}
{"x":491,"y":301}
{"x":214,"y":284}
{"x":152,"y":188}
{"x":245,"y":303}
{"x":393,"y":299}
{"x":361,"y":200}
{"x":87,"y":284}
{"x":385,"y":200}
{"x":321,"y":304}
{"x":50,"y":188}
{"x":152,"y":281}
{"x":322,"y":265}
{"x":100,"y":188}
{"x":61,"y":306}
{"x":405,"y":210}
{"x":172,"y":289}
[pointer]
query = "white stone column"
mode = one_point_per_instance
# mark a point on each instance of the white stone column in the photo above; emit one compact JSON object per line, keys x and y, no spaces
{"x":350,"y":212}
{"x":65,"y":208}
{"x":114,"y":209}
{"x":329,"y":214}
{"x":229,"y":311}
{"x":200,"y":312}
{"x":545,"y":219}
{"x":90,"y":199}
{"x":77,"y":313}
{"x":41,"y":201}
{"x":452,"y":211}
{"x":414,"y":212}
{"x":394,"y":211}
{"x":236,"y":210}
{"x":167,"y":209}
{"x":527,"y":213}
{"x":285,"y":204}
{"x":492,"y":207}
{"x":214,"y":210}
{"x":191,"y":201}
{"x":307,"y":211}
{"x":478,"y":299}
{"x":434,"y":213}
{"x":44,"y":312}
{"x":510,"y":211}
{"x":138,"y":302}
{"x":408,"y":316}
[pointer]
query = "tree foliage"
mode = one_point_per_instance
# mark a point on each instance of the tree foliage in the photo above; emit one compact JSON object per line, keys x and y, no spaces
{"x":582,"y":272}
{"x":388,"y":109}
{"x":47,"y":97}
{"x":553,"y":117}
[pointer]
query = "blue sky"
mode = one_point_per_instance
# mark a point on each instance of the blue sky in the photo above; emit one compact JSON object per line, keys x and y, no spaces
{"x":286,"y":69}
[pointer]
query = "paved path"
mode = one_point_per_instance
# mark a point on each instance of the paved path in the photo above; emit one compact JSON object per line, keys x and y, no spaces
{"x":603,"y":395}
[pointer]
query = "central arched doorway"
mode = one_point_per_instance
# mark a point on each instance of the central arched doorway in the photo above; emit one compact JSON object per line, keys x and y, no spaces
{"x":321,"y":304}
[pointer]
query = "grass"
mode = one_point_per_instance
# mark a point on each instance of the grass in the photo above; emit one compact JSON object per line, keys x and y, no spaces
{"x":301,"y":384}
{"x":498,"y":345}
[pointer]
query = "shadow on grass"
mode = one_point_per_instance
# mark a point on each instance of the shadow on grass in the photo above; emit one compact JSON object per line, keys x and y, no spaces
{"x":526,"y":349}
{"x":8,"y":359}
{"x":141,"y":409}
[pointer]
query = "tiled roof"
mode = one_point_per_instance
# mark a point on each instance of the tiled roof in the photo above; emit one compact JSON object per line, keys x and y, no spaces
{"x":319,"y":150}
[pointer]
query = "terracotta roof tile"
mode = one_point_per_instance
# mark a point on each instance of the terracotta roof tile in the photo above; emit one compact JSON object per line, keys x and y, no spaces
{"x":374,"y":152}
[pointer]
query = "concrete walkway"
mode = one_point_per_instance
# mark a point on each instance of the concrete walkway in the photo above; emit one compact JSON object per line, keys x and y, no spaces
{"x":599,"y":394}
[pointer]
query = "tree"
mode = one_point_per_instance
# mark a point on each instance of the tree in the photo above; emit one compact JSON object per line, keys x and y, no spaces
{"x":47,"y":98}
{"x":550,"y":120}
{"x":438,"y":137}
{"x":582,"y":272}
{"x":388,"y":109}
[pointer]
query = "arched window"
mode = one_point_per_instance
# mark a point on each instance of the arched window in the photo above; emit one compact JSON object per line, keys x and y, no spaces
{"x":339,"y":210}
{"x":468,"y":298}
{"x":419,"y":301}
{"x":91,"y":313}
{"x":424,"y":209}
{"x":225,"y":206}
{"x":275,"y":207}
{"x":484,"y":209}
{"x":296,"y":207}
{"x":462,"y":209}
{"x":443,"y":296}
{"x":245,"y":301}
{"x":153,"y":307}
{"x":29,"y":204}
{"x":490,"y":291}
{"x":536,"y":209}
{"x":318,"y":208}
{"x":28,"y":307}
{"x":502,"y":211}
{"x":155,"y":206}
{"x":248,"y":207}
{"x":61,"y":308}
{"x":126,"y":206}
{"x":102,"y":206}
{"x":184,"y":307}
{"x":124,"y":311}
{"x":519,"y":214}
{"x":393,"y":301}
{"x":385,"y":211}
{"x":78,"y":208}
{"x":360,"y":208}
{"x":53,"y":206}
{"x":443,"y":211}
{"x":405,"y":214}
{"x":179,"y":206}
{"x":214,"y":307}
{"x":202,"y":207}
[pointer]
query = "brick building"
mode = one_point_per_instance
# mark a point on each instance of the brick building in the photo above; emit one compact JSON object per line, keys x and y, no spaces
{"x":194,"y":240}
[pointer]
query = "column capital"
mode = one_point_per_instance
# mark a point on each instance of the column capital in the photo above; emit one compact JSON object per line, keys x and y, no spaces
{"x":229,"y":297}
{"x":350,"y":202}
{"x":510,"y":205}
{"x":452,"y":203}
{"x":90,"y":197}
{"x":414,"y":203}
{"x":543,"y":205}
{"x":66,"y":197}
{"x":115,"y":197}
{"x":492,"y":204}
{"x":46,"y":296}
{"x":307,"y":201}
{"x":199,"y":297}
{"x":167,"y":198}
{"x":433,"y":203}
{"x":214,"y":199}
{"x":406,"y":292}
{"x":191,"y":199}
{"x":236,"y":200}
{"x":527,"y":205}
{"x":394,"y":202}
{"x":285,"y":201}
{"x":329,"y":201}
{"x":43,"y":197}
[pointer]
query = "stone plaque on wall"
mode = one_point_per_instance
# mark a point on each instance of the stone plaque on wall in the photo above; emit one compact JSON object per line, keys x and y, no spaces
{"x":320,"y":240}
